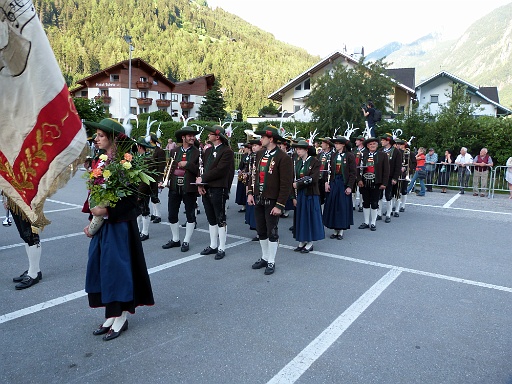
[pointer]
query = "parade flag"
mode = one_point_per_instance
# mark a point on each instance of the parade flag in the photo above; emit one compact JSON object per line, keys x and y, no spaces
{"x":41,"y":134}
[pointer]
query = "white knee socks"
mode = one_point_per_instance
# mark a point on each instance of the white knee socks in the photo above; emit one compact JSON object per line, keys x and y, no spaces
{"x":34,"y":256}
{"x":188,"y":232}
{"x":223,"y":232}
{"x":175,"y":230}
{"x":214,"y":234}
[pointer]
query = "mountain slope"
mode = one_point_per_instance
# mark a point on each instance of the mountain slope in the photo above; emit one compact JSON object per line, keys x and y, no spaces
{"x":481,"y":56}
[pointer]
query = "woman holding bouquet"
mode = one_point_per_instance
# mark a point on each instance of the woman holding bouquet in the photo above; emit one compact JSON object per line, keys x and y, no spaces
{"x":117,"y":276}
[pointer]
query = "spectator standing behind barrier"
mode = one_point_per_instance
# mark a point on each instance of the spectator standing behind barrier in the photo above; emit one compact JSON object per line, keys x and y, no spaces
{"x":430,"y":167}
{"x":508,"y":176}
{"x":463,"y":170}
{"x":420,"y":173}
{"x":482,"y":163}
{"x":170,"y":145}
{"x":443,"y":179}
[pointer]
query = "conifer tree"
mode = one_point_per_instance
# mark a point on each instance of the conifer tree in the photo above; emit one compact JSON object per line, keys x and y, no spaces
{"x":213,"y":106}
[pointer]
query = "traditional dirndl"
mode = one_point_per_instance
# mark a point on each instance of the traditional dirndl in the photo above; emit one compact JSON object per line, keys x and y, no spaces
{"x":250,"y":218}
{"x":338,"y":212}
{"x":240,"y":197}
{"x":308,"y":213}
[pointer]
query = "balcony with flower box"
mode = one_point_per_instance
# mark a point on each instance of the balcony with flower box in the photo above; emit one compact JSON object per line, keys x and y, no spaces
{"x":162,"y":103}
{"x":186,"y":105}
{"x":106,"y":100}
{"x":143,"y":85}
{"x":144,"y":101}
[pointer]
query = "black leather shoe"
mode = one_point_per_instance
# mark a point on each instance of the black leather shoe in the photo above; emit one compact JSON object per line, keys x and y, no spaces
{"x":157,"y":220}
{"x":364,"y":226}
{"x":184,"y":247}
{"x":379,"y":217}
{"x":255,"y":238}
{"x":152,"y":217}
{"x":388,"y":219}
{"x":27,"y":282}
{"x":171,"y":244}
{"x":291,"y":228}
{"x":259,"y":264}
{"x":396,"y":214}
{"x":298,"y":249}
{"x":373,"y":227}
{"x":270,"y":269}
{"x":402,"y":209}
{"x":144,"y":237}
{"x":101,"y":330}
{"x":24,"y":274}
{"x":306,"y":250}
{"x":339,"y":237}
{"x":360,"y":209}
{"x":333,"y":236}
{"x":220,"y":255}
{"x":209,"y":251}
{"x":241,"y":210}
{"x":111,"y":334}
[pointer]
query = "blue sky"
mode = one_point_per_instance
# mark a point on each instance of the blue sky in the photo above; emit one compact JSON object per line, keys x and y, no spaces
{"x":324,"y":26}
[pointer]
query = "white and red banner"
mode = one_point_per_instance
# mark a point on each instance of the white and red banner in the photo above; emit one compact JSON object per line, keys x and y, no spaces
{"x":41,"y":134}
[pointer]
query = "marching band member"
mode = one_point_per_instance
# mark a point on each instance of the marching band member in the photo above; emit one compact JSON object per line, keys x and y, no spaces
{"x":181,"y":171}
{"x":308,"y":212}
{"x":250,"y":219}
{"x":324,"y":156}
{"x":241,"y":196}
{"x":372,"y":178}
{"x":159,"y":161}
{"x":395,"y":170}
{"x":269,"y":188}
{"x":338,"y":213}
{"x":214,"y":186}
{"x":144,"y":191}
{"x":358,"y":152}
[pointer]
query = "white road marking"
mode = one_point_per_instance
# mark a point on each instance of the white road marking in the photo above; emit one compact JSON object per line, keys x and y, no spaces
{"x":451,"y":201}
{"x":64,"y":203}
{"x":301,"y":363}
{"x":44,"y":240}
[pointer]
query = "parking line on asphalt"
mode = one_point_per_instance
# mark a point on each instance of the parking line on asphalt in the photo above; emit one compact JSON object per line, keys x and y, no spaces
{"x":78,"y":294}
{"x":301,"y":363}
{"x":451,"y":201}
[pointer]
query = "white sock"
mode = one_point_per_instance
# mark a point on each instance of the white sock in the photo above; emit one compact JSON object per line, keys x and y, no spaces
{"x":223,"y":232}
{"x":145,"y":225}
{"x":119,"y":321}
{"x":156,"y":209}
{"x":272,"y":250}
{"x":214,"y":234}
{"x":309,"y":244}
{"x":264,"y":249}
{"x":366,"y":214}
{"x":388,"y":209}
{"x":108,"y":323}
{"x":188,"y":232}
{"x":340,"y":232}
{"x":403,"y":200}
{"x":374,"y":216}
{"x":175,"y":230}
{"x":34,"y":256}
{"x":139,"y":223}
{"x":301,"y":244}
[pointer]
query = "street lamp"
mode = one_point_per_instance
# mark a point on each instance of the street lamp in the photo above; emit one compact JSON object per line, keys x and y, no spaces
{"x":128,"y":39}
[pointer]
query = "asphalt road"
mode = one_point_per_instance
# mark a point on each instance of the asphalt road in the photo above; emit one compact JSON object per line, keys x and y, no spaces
{"x":424,"y":299}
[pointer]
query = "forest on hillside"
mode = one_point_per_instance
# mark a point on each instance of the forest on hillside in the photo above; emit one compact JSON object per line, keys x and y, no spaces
{"x":183,"y":39}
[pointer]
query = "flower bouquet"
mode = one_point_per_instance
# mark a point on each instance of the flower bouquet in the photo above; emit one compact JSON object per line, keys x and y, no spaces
{"x":112,"y":178}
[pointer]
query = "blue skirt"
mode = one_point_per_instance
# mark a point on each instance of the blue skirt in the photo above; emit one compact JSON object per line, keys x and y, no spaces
{"x":338,"y":211}
{"x":249,"y":216}
{"x":308,"y":223}
{"x":289,"y":205}
{"x":240,"y":197}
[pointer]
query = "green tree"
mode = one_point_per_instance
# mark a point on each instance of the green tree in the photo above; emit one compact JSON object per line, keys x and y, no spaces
{"x":89,"y":109}
{"x":269,"y":109}
{"x":337,"y":96}
{"x":239,"y":112}
{"x":213,"y":105}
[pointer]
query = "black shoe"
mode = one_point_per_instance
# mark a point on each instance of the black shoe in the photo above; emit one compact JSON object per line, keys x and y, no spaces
{"x":259,"y":264}
{"x":144,"y":237}
{"x":241,"y":210}
{"x":157,"y":220}
{"x":209,"y":251}
{"x":298,"y":249}
{"x":461,"y":192}
{"x":184,"y":247}
{"x":339,"y":237}
{"x":255,"y":238}
{"x":402,"y":209}
{"x":171,"y":244}
{"x":396,"y":214}
{"x":388,"y":219}
{"x":379,"y":217}
{"x":152,"y":217}
{"x":270,"y":269}
{"x":291,"y":228}
{"x":373,"y":227}
{"x":364,"y":226}
{"x":333,"y":236}
{"x":360,"y":209}
{"x":7,"y":222}
{"x":111,"y":334}
{"x":101,"y":330}
{"x":306,"y":250}
{"x":353,"y":208}
{"x":25,"y":274}
{"x":27,"y":282}
{"x":198,"y":212}
{"x":220,"y":255}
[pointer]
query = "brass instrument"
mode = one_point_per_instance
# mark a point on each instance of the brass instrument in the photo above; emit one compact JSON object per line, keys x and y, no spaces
{"x":406,"y":161}
{"x":201,"y":166}
{"x":168,"y":171}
